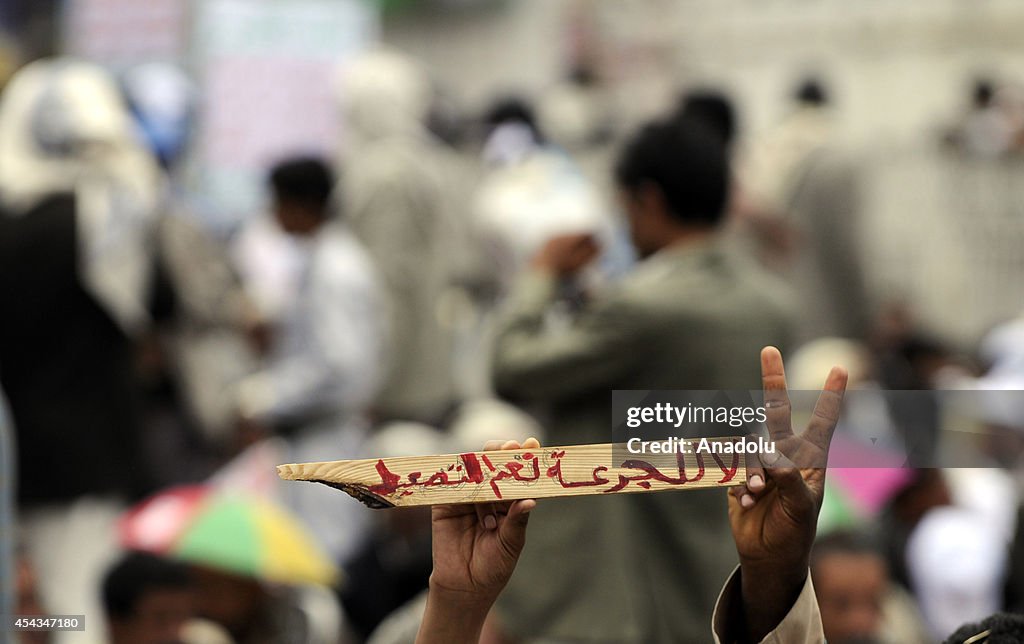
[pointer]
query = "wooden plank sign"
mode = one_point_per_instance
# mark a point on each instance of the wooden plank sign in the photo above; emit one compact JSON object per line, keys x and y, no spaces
{"x":482,"y":477}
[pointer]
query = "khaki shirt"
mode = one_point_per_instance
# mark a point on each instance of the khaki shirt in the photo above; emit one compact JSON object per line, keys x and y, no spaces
{"x":631,"y":568}
{"x":801,"y":625}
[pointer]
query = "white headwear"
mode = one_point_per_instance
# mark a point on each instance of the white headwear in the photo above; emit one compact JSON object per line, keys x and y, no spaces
{"x":64,"y":128}
{"x":956,"y":565}
{"x":383,"y":93}
{"x":997,"y":397}
{"x":1003,"y":347}
{"x":810,"y":364}
{"x":508,"y":144}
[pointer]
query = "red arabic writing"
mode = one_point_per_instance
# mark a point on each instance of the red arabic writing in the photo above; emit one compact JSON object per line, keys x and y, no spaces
{"x":527,"y":468}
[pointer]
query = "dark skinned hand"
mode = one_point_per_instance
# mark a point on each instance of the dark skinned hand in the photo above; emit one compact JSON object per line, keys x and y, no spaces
{"x":774,"y":515}
{"x":475,"y":549}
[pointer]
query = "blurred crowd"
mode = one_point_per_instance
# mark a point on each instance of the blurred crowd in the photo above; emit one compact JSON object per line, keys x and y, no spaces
{"x":442,"y":282}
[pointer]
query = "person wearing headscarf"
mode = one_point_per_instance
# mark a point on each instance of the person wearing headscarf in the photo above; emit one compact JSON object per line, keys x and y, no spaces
{"x":77,"y":204}
{"x":803,"y":202}
{"x":64,"y":130}
{"x":399,"y":192}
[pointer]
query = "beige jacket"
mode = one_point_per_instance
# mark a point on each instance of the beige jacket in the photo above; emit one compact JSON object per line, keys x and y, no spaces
{"x":802,"y":625}
{"x":637,"y":569}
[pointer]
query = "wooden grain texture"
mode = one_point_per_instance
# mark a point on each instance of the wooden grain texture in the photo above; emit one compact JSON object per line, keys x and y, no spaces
{"x":481,"y":477}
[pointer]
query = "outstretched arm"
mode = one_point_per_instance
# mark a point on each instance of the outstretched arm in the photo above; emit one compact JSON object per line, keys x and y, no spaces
{"x":774,"y":516}
{"x":475,"y":550}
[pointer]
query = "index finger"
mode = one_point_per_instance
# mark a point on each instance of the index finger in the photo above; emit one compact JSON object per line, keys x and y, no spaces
{"x":777,"y":408}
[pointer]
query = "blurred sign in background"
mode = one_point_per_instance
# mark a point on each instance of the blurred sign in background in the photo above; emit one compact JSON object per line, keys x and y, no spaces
{"x":267,"y":71}
{"x":126,"y":32}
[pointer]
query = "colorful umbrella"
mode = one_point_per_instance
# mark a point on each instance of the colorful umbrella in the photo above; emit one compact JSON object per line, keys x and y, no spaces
{"x":230,"y":531}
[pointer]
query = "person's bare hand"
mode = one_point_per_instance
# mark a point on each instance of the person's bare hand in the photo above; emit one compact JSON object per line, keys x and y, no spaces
{"x":476,"y":546}
{"x":565,"y":255}
{"x":774,"y":515}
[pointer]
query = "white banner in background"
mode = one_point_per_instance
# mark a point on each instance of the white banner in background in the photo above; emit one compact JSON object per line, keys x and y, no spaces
{"x":266,"y":69}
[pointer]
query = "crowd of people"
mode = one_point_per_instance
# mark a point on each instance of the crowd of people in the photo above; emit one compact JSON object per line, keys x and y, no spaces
{"x":418,"y":296}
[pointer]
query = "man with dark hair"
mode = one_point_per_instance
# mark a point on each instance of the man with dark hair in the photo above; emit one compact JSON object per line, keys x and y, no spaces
{"x":513,"y":109}
{"x":324,"y":363}
{"x":856,"y":593}
{"x":811,"y":91}
{"x":302,"y":191}
{"x":988,"y":129}
{"x":147,"y":600}
{"x":678,"y":174}
{"x":325,"y":360}
{"x":850,"y":583}
{"x":688,"y":317}
{"x":803,"y":212}
{"x":711,"y":108}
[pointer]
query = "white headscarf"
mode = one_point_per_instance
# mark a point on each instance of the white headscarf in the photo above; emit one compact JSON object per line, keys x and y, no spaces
{"x":383,"y":93}
{"x":64,"y":128}
{"x":957,"y":566}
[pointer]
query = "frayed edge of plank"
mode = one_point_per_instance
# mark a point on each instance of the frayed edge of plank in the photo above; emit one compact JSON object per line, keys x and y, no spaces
{"x":361,"y":494}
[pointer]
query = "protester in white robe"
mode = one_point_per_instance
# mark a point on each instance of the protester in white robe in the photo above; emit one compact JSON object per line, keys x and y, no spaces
{"x":400,"y":195}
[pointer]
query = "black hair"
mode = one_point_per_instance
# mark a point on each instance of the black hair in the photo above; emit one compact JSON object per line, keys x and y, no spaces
{"x":713,"y":110}
{"x":1004,"y":628}
{"x":983,"y":93}
{"x":811,"y":91}
{"x":683,"y":160}
{"x":844,"y":542}
{"x":513,"y":109}
{"x":583,"y":75}
{"x":135,"y":574}
{"x":304,"y":180}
